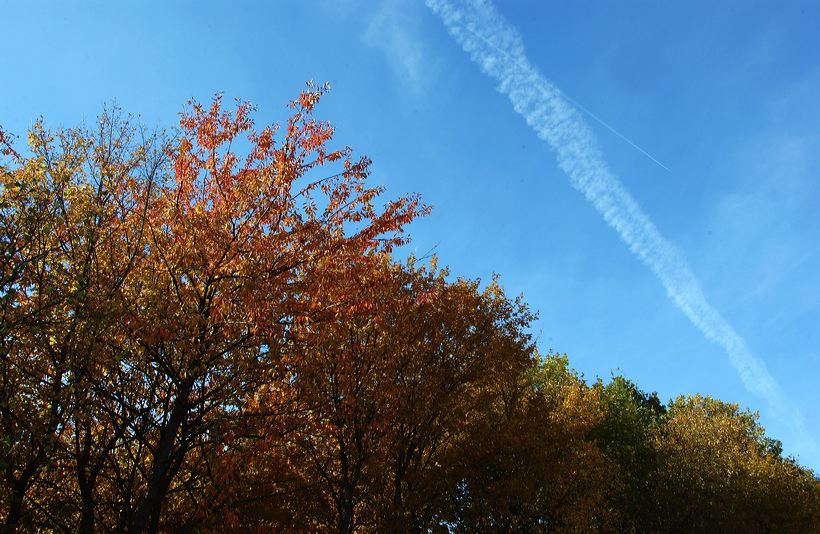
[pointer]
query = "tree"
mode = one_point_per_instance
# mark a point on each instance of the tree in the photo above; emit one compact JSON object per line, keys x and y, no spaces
{"x":65,"y":258}
{"x":31,"y":411}
{"x":718,"y":472}
{"x":385,"y":384}
{"x":532,"y":464}
{"x":626,"y":434}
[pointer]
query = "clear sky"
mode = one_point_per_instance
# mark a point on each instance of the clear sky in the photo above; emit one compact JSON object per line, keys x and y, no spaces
{"x":724,"y":94}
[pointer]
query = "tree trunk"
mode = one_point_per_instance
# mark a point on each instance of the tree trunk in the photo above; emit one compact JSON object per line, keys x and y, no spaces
{"x":15,"y":512}
{"x":146,"y":516}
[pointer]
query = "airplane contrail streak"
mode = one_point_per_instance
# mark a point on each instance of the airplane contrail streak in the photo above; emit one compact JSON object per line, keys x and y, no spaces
{"x":498,"y":49}
{"x":578,"y":105}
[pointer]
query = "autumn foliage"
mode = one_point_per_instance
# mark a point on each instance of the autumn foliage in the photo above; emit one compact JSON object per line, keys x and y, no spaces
{"x":206,"y":331}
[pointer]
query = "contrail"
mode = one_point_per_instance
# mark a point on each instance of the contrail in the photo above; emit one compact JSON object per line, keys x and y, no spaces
{"x":577,"y":104}
{"x":498,"y":49}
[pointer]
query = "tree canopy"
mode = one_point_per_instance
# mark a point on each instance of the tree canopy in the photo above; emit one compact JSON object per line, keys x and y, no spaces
{"x":206,"y":330}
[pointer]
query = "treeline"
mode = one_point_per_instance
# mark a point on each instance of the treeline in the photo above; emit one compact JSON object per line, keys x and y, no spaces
{"x":206,"y":332}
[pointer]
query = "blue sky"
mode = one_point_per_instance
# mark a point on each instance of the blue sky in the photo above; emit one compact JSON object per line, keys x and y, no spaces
{"x":723,"y":94}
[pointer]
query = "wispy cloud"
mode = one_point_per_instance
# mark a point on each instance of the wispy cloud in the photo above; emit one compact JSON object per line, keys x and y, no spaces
{"x":392,"y":29}
{"x":766,"y":223}
{"x":498,"y":49}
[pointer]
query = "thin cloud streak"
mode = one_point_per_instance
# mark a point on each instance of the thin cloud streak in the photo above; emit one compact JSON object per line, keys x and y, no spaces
{"x":498,"y":49}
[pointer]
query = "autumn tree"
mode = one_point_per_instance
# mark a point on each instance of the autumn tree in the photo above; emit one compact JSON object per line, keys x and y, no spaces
{"x":32,"y":411}
{"x":626,"y":434}
{"x":533,"y":466}
{"x":385,"y":384}
{"x":719,"y":472}
{"x":231,"y":249}
{"x":68,"y":247}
